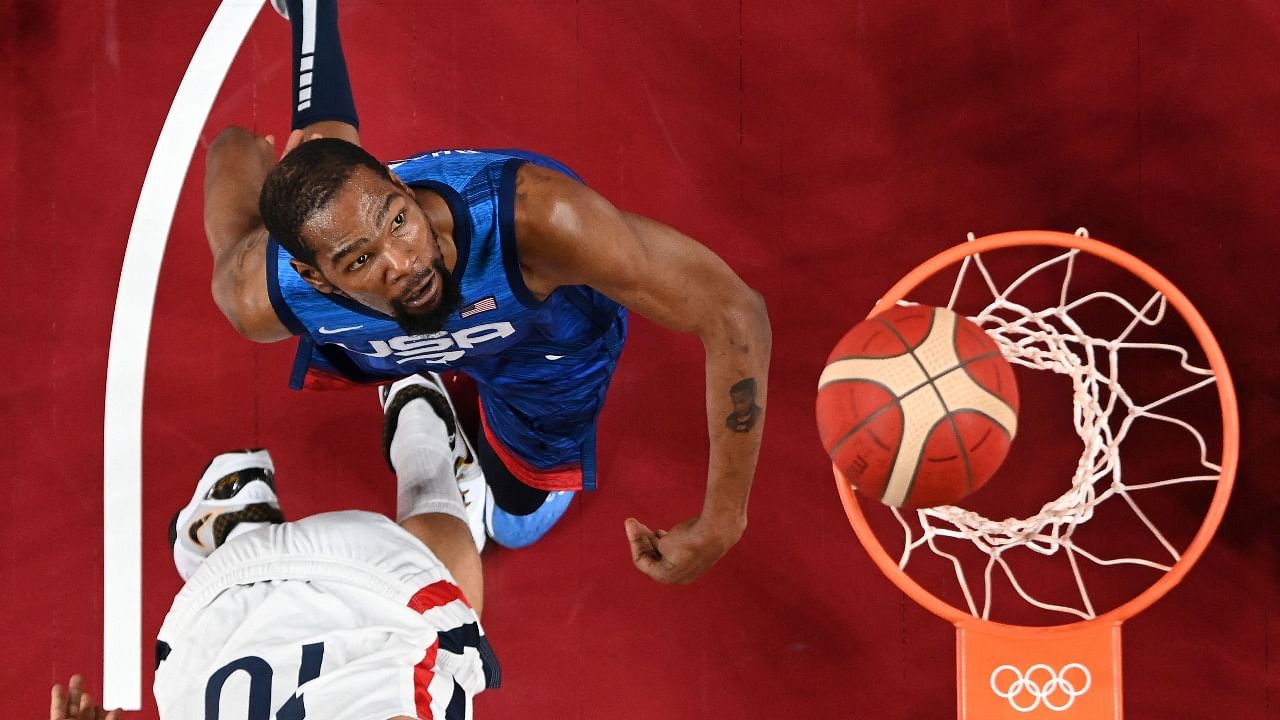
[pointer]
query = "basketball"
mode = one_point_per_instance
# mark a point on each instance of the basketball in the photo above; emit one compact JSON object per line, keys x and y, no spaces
{"x":917,"y":407}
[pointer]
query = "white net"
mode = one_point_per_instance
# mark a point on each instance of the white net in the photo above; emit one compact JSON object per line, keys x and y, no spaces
{"x":1062,"y":337}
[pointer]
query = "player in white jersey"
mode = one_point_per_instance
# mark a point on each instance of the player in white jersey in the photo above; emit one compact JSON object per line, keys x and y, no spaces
{"x":342,"y":615}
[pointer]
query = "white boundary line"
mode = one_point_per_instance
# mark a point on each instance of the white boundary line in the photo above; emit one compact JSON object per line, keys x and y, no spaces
{"x":127,"y":357}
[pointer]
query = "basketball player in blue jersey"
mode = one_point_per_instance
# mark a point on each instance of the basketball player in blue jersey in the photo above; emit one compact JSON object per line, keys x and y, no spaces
{"x":500,"y":264}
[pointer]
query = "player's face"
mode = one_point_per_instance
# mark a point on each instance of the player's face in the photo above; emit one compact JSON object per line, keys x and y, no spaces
{"x":375,"y":245}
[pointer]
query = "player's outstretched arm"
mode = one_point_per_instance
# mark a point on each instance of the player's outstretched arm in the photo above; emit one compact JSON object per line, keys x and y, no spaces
{"x":568,"y":235}
{"x":73,"y":703}
{"x":235,"y":167}
{"x":238,"y":163}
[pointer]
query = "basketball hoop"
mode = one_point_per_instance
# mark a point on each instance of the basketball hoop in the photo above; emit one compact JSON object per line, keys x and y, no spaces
{"x":1139,"y":373}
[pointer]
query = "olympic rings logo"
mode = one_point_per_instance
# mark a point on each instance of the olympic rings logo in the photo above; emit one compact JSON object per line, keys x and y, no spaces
{"x":1057,"y":690}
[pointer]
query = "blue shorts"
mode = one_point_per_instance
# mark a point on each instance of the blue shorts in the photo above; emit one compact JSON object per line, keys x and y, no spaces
{"x":541,"y":420}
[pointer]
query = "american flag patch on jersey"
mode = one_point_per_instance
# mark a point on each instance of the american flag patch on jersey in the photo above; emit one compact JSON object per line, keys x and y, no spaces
{"x":479,"y":306}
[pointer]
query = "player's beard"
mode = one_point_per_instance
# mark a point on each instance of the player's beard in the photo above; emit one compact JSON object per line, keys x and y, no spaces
{"x":431,"y":321}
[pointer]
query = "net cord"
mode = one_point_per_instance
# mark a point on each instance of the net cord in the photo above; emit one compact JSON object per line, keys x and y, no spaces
{"x":1052,"y":339}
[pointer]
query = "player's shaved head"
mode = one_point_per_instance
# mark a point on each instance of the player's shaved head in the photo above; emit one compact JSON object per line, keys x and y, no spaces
{"x":303,"y":183}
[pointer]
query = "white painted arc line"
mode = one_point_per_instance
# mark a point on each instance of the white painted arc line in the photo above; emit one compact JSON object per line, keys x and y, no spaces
{"x":127,"y":356}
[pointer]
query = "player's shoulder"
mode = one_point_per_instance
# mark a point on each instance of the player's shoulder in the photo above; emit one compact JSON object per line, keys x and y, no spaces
{"x":449,"y":157}
{"x":547,"y":198}
{"x":561,"y":227}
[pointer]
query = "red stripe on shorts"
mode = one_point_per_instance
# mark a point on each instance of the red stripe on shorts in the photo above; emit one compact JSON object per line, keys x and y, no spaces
{"x":423,"y":672}
{"x":437,"y":594}
{"x":441,"y":592}
{"x":566,"y":478}
{"x":317,"y":380}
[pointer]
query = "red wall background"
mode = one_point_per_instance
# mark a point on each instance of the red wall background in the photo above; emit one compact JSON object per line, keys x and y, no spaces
{"x":822,"y":148}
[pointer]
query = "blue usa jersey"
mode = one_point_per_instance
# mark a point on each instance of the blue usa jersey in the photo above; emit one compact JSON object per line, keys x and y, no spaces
{"x":548,"y":362}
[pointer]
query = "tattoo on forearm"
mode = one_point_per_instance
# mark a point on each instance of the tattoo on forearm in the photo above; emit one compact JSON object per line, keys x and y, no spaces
{"x":745,"y":410}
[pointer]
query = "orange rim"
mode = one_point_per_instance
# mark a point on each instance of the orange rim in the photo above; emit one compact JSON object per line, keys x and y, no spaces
{"x":1227,"y":402}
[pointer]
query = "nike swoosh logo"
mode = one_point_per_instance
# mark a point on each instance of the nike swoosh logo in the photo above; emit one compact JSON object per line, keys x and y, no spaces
{"x":554,"y":357}
{"x":330,"y":331}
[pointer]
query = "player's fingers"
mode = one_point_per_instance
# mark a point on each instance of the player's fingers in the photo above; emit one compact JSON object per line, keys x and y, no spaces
{"x":295,"y":139}
{"x":88,"y":709}
{"x":644,"y":549}
{"x":115,"y":715}
{"x":646,"y":564}
{"x":637,"y":532}
{"x":645,"y":557}
{"x":677,"y":562}
{"x":75,"y":688}
{"x":659,"y":569}
{"x":663,"y":571}
{"x":58,"y":703}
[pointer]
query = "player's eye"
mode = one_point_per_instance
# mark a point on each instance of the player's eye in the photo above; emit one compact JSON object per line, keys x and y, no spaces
{"x":398,"y":220}
{"x":360,"y":261}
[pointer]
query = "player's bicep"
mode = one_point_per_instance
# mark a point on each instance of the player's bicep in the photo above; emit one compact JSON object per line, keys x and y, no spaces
{"x":582,"y":239}
{"x":671,"y":278}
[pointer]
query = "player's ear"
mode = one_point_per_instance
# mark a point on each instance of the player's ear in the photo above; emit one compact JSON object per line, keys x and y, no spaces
{"x":313,"y":276}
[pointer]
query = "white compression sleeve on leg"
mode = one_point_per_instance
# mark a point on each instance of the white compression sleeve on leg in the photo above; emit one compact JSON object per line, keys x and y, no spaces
{"x":423,"y":461}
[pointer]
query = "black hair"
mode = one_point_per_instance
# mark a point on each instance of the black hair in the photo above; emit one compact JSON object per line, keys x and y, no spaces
{"x":303,"y":183}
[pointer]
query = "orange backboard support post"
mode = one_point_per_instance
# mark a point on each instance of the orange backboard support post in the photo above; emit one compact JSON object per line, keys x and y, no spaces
{"x":1067,"y":672}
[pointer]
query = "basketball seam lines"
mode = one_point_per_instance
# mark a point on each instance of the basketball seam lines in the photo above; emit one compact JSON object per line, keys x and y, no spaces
{"x":951,"y":419}
{"x":897,"y":399}
{"x":964,"y":452}
{"x":865,"y":421}
{"x":930,"y":379}
{"x":963,"y":363}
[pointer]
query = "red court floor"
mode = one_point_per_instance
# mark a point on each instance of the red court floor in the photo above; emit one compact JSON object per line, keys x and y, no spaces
{"x":822,"y":148}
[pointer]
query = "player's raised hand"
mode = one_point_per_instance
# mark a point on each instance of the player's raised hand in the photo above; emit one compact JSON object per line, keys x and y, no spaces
{"x":73,"y":703}
{"x":644,"y":545}
{"x":680,"y":555}
{"x":296,"y":138}
{"x":324,"y":129}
